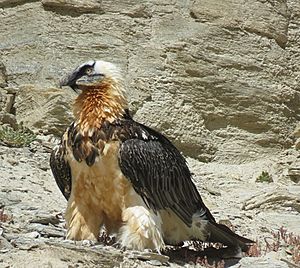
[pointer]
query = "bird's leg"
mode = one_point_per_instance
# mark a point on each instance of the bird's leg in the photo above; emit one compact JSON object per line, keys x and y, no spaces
{"x":141,"y":229}
{"x":83,"y":221}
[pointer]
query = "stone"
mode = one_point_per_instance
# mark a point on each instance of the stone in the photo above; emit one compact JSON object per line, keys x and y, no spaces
{"x":297,"y":144}
{"x":4,"y":245}
{"x":7,"y":116}
{"x":12,"y":3}
{"x":3,"y":76}
{"x":6,"y":101}
{"x":8,"y":119}
{"x":148,"y":256}
{"x":260,"y":263}
{"x":252,"y":17}
{"x":47,"y":230}
{"x":268,"y":199}
{"x":32,"y":235}
{"x":78,"y":6}
{"x":48,"y":111}
{"x":294,"y":173}
{"x":296,"y":132}
{"x":45,"y":219}
{"x":26,"y":243}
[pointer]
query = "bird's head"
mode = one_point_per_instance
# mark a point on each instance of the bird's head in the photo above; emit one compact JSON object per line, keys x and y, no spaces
{"x":92,"y":74}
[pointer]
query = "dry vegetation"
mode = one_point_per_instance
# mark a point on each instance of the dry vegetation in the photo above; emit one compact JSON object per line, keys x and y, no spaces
{"x":205,"y":253}
{"x":278,"y":240}
{"x":281,"y":239}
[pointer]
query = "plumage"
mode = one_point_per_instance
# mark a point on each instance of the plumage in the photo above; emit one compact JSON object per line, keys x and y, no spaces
{"x":61,"y":171}
{"x":124,"y":175}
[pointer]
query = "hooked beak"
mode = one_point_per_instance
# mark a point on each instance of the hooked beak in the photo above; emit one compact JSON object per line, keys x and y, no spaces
{"x":75,"y":80}
{"x":69,"y":80}
{"x":89,"y":80}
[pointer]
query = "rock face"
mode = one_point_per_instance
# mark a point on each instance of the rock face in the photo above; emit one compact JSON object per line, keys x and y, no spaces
{"x":220,"y":79}
{"x":49,"y":110}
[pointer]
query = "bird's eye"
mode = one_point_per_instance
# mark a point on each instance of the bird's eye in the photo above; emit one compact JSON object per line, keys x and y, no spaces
{"x":89,"y":71}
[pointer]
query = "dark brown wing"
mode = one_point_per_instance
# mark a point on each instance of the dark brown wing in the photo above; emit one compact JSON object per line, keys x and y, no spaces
{"x":61,"y":170}
{"x":159,"y":174}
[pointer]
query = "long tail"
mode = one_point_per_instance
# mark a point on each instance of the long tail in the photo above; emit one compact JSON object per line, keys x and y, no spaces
{"x":221,"y":233}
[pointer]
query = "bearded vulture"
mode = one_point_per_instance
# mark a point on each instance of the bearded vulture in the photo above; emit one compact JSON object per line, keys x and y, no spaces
{"x":118,"y":173}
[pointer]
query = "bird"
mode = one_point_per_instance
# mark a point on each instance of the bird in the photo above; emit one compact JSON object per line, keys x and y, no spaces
{"x":124,"y":176}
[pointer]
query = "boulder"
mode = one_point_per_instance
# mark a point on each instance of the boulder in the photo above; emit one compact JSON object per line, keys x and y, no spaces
{"x":77,"y":6}
{"x":45,"y":110}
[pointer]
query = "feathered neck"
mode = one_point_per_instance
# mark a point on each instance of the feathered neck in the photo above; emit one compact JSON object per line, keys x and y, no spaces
{"x":94,"y":105}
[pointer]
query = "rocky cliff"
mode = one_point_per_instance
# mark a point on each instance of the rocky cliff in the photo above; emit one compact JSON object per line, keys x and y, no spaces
{"x":220,"y":78}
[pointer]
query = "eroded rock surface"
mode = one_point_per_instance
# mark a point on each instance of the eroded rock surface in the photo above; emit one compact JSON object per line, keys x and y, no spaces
{"x":49,"y":111}
{"x":220,"y":78}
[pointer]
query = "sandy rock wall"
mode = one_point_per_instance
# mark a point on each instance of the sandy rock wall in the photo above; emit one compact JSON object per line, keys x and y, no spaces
{"x":220,"y":78}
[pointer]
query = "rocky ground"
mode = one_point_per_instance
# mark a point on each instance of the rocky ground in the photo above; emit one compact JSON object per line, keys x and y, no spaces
{"x":32,"y":226}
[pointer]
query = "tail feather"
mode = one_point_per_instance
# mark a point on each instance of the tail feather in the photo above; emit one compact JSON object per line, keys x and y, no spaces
{"x":221,"y":233}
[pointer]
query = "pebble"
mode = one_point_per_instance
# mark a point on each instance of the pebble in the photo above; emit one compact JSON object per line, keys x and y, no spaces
{"x":47,"y":230}
{"x":45,"y":219}
{"x":4,"y":244}
{"x":33,"y":234}
{"x":13,"y":162}
{"x":155,"y":262}
{"x":147,"y":256}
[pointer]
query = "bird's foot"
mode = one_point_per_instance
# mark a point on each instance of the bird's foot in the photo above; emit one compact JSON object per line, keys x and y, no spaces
{"x":118,"y":245}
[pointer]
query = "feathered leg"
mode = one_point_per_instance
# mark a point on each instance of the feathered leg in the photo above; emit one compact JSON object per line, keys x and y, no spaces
{"x":83,"y":221}
{"x":141,"y":230}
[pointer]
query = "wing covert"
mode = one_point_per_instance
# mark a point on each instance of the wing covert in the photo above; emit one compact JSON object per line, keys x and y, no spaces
{"x":160,"y":175}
